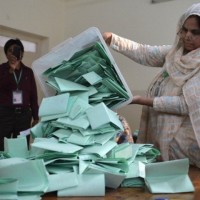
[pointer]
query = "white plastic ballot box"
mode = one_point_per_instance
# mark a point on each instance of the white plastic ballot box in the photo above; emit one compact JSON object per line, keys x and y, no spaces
{"x":65,"y":51}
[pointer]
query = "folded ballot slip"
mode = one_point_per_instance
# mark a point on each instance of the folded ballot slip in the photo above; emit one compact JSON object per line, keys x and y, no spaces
{"x":83,"y":63}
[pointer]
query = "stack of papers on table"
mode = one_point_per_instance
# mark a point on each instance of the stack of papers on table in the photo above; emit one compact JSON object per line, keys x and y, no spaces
{"x":87,"y":172}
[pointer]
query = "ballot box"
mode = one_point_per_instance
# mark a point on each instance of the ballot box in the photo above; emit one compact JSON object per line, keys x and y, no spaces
{"x":89,"y":56}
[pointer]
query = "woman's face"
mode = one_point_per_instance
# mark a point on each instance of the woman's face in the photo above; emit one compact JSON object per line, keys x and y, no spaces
{"x":190,"y":34}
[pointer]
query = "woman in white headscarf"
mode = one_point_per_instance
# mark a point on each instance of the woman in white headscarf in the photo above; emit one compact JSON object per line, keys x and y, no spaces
{"x":171,"y":110}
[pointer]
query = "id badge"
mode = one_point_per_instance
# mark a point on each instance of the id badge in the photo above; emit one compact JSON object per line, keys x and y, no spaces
{"x":17,"y":97}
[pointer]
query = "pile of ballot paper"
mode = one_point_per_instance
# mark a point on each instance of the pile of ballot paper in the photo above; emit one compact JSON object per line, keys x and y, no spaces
{"x":92,"y":72}
{"x":70,"y":170}
{"x":74,"y":152}
{"x":31,"y":174}
{"x":83,"y":63}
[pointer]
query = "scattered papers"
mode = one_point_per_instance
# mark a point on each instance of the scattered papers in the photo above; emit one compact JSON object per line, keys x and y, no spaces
{"x":31,"y":174}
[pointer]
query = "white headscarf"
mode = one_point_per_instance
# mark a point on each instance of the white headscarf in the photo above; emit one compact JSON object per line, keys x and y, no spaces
{"x":182,"y":67}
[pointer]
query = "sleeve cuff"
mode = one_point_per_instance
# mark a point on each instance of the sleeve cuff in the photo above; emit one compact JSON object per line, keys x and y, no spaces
{"x":113,"y":43}
{"x":157,"y":104}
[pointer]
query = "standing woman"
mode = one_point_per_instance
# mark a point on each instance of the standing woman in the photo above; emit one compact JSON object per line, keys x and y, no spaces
{"x":18,"y":93}
{"x":171,"y":109}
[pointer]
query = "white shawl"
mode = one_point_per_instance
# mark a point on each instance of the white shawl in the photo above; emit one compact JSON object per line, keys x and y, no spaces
{"x":184,"y":71}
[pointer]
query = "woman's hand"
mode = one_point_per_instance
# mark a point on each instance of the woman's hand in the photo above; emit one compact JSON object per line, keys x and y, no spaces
{"x":142,"y":100}
{"x":107,"y":36}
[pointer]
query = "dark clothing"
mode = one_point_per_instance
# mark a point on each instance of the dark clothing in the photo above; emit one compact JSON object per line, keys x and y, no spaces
{"x":27,"y":85}
{"x":15,"y":118}
{"x":12,"y":121}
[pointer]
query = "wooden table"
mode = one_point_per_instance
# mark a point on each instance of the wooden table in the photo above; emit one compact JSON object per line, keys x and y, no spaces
{"x":140,"y":193}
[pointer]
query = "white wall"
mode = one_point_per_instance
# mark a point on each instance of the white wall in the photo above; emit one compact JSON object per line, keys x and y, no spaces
{"x":135,"y":19}
{"x":41,"y":17}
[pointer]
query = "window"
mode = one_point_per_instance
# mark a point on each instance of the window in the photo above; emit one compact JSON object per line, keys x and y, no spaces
{"x":28,"y":46}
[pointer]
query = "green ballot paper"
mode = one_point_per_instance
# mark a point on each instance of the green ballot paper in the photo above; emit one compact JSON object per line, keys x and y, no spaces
{"x":168,"y":177}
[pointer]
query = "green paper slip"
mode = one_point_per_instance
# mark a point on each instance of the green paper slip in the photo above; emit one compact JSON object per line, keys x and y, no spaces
{"x":78,"y":108}
{"x":88,"y":185}
{"x":50,"y":156}
{"x":115,"y":87}
{"x":16,"y":147}
{"x":102,"y":130}
{"x":52,"y":117}
{"x":54,"y":105}
{"x":103,"y":138}
{"x":168,"y":177}
{"x":145,"y":153}
{"x":62,"y":133}
{"x":104,"y":116}
{"x":77,"y":123}
{"x":92,"y":77}
{"x":31,"y":174}
{"x":80,"y":53}
{"x":123,"y":150}
{"x":112,"y":180}
{"x":77,"y":138}
{"x":62,"y":181}
{"x":49,"y":144}
{"x":99,"y":47}
{"x":68,"y":86}
{"x":100,"y":150}
{"x":8,"y":187}
{"x":114,"y":165}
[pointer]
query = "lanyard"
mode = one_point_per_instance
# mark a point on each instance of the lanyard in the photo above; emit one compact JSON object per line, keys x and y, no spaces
{"x":17,"y":80}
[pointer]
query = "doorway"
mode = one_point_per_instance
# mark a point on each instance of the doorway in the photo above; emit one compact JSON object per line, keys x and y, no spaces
{"x":35,"y":47}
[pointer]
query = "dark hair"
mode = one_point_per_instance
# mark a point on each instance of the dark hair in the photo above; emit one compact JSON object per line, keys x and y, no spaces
{"x":13,"y":42}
